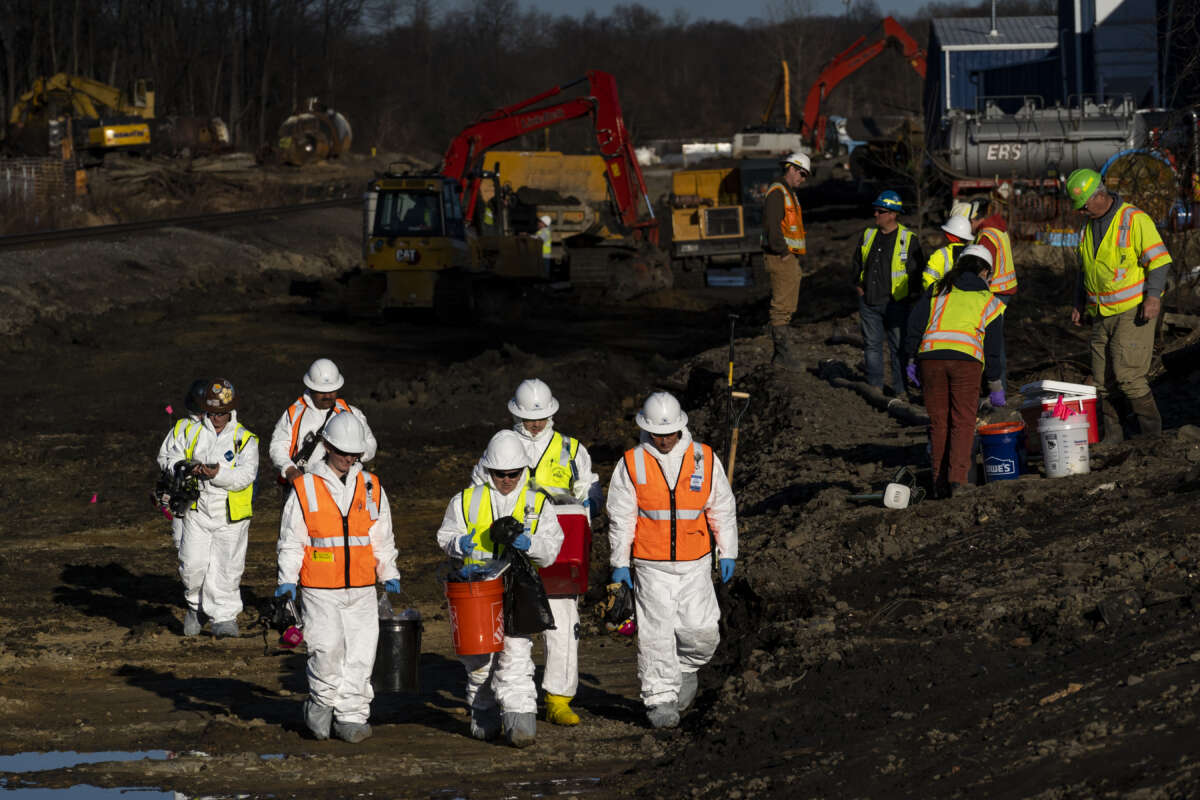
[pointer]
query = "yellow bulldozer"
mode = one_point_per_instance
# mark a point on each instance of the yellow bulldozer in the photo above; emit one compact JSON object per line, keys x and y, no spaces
{"x":66,"y":112}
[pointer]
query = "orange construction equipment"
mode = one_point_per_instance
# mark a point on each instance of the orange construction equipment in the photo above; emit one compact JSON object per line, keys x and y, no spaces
{"x":846,"y":63}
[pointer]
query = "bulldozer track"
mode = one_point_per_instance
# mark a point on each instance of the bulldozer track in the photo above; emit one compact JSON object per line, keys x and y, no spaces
{"x":51,"y":238}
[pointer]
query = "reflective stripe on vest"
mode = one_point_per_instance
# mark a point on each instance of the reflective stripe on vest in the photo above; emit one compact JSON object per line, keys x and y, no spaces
{"x":477,"y":513}
{"x":899,"y":271}
{"x":671,"y":524}
{"x":1004,"y":275}
{"x":241,"y":502}
{"x":792,"y":224}
{"x":1114,"y":274}
{"x":940,"y":263}
{"x":556,"y":468}
{"x":339,"y":553}
{"x":296,"y":412}
{"x":958,"y":321}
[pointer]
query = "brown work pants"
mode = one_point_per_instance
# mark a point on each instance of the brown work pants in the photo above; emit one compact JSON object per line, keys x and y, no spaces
{"x":1121,"y":352}
{"x":951,"y":388}
{"x":784,"y":273}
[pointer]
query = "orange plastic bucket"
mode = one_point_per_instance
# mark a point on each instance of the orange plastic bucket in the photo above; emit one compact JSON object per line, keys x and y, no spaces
{"x":476,"y":616}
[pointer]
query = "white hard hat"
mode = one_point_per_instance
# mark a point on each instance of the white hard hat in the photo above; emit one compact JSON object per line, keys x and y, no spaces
{"x":545,"y":220}
{"x":532,"y":400}
{"x":798,"y":160}
{"x":323,"y":376}
{"x":505,"y":451}
{"x":961,"y":208}
{"x":661,"y":414}
{"x":960,"y":227}
{"x":345,"y":433}
{"x":978,"y":250}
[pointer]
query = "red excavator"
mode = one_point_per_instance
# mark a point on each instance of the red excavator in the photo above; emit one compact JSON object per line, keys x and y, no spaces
{"x":846,"y":63}
{"x":447,"y":239}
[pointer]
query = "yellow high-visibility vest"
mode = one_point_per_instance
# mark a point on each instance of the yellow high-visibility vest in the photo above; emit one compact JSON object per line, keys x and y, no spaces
{"x":477,"y":512}
{"x":241,"y":502}
{"x":941,"y":262}
{"x":958,"y":320}
{"x":1114,"y":274}
{"x":556,"y":468}
{"x":899,"y":259}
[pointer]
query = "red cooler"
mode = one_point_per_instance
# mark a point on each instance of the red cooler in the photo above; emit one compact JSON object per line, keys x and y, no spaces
{"x":568,"y":575}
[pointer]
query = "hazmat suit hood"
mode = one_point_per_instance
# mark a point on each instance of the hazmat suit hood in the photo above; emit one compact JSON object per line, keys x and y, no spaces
{"x":233,"y":418}
{"x":517,"y":490}
{"x":541,"y":438}
{"x":676,"y":452}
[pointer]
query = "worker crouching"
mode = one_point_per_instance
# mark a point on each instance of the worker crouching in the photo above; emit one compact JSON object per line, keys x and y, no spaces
{"x":668,"y":501}
{"x":335,"y":540}
{"x":952,"y":333}
{"x":500,"y":689}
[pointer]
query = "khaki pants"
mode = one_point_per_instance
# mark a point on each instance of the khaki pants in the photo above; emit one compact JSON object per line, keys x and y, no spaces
{"x":1121,"y":353}
{"x":784,"y":272}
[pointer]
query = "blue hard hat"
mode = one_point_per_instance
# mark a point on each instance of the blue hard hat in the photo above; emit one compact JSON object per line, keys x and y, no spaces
{"x":888,"y":201}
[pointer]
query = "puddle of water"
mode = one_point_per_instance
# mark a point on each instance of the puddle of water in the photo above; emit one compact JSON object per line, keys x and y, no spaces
{"x":61,"y":759}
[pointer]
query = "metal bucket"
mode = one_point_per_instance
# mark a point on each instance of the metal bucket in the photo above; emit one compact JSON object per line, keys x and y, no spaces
{"x":397,"y":656}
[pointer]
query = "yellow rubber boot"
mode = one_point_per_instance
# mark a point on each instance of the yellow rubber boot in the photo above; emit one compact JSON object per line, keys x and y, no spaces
{"x":558,"y":710}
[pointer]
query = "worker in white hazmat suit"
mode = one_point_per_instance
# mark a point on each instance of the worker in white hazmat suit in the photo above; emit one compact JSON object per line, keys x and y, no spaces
{"x":562,"y":468}
{"x":505,"y":677}
{"x":668,"y":503}
{"x":335,"y":541}
{"x":212,"y":547}
{"x":192,"y":403}
{"x":296,"y":440}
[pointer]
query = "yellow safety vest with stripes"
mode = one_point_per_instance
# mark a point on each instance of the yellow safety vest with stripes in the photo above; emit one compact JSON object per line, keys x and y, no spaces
{"x":1114,"y":275}
{"x":792,"y":222}
{"x":241,"y":502}
{"x":556,"y":468}
{"x":958,"y":320}
{"x":940,"y":263}
{"x":477,"y":512}
{"x":1004,"y":276}
{"x":899,"y":259}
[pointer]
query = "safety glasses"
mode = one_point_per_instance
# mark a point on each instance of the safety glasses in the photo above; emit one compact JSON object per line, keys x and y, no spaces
{"x":507,"y":474}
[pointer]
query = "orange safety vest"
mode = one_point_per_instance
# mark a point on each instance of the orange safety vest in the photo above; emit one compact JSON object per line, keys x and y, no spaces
{"x":792,"y":223}
{"x":671,"y":525}
{"x":958,"y":321}
{"x":296,"y":411}
{"x":1004,"y":277}
{"x":339,"y":553}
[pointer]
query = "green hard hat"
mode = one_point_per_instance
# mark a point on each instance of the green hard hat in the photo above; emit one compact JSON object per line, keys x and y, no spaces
{"x":1081,"y":185}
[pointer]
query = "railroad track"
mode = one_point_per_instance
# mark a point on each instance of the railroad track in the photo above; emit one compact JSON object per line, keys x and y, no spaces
{"x":52,"y":238}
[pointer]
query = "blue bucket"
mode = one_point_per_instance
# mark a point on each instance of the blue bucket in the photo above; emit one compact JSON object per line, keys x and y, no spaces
{"x":1002,"y":450}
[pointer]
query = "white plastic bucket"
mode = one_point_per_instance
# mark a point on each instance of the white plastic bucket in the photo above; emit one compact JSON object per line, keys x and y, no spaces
{"x":1064,"y":445}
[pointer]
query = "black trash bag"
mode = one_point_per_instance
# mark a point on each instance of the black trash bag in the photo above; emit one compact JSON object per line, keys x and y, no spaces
{"x":505,"y":530}
{"x":526,"y":607}
{"x":618,"y":606}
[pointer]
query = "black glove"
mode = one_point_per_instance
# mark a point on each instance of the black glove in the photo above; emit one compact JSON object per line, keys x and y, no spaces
{"x":505,"y":530}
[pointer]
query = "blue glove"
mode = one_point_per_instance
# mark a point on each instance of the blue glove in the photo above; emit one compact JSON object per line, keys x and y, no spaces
{"x":725,"y":566}
{"x":911,"y":372}
{"x":466,"y":543}
{"x":621,"y":575}
{"x":392,"y":586}
{"x":522,"y":542}
{"x":997,"y":399}
{"x":286,"y":588}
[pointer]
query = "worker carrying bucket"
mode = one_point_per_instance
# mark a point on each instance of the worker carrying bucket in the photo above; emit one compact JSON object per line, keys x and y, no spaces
{"x":336,"y":541}
{"x":561,"y":466}
{"x":500,"y":691}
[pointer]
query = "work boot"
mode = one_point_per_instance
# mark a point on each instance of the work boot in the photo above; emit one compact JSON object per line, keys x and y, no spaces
{"x":1149,"y":420}
{"x":520,"y":728}
{"x":687,"y":691}
{"x":558,"y":710}
{"x":784,"y":355}
{"x":352,"y":732}
{"x":485,"y":723}
{"x":1113,"y":432}
{"x":191,"y":623}
{"x":318,"y":718}
{"x":226,"y":629}
{"x":664,"y":716}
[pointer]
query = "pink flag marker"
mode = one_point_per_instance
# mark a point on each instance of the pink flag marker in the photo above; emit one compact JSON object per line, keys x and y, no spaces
{"x":93,"y":498}
{"x":170,"y":410}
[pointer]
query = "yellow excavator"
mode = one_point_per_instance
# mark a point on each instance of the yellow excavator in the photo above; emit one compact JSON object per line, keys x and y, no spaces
{"x":102,"y":119}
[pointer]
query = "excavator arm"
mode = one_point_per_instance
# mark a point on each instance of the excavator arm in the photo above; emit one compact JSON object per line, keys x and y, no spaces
{"x":847,"y":63}
{"x":627,"y":186}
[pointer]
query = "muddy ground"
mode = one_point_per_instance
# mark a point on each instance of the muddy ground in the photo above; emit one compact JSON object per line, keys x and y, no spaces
{"x":1037,"y":638}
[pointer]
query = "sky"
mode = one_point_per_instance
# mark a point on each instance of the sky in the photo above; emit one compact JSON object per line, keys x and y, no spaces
{"x":737,"y":12}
